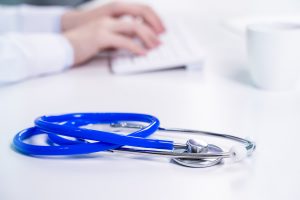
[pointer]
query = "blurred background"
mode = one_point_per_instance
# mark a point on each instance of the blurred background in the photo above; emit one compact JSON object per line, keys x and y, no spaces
{"x":228,"y":7}
{"x":204,"y":17}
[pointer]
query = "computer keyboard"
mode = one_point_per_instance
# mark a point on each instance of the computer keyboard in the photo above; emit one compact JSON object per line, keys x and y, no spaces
{"x":179,"y":48}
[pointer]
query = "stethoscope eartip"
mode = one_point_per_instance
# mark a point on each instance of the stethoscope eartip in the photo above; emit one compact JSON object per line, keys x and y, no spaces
{"x":238,"y":153}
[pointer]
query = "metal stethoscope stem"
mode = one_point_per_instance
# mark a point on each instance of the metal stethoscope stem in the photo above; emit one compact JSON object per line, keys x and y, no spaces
{"x":172,"y":154}
{"x":192,"y":150}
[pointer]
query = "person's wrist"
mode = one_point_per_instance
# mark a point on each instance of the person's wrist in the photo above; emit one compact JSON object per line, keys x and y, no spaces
{"x":71,"y":19}
{"x":75,"y":45}
{"x":82,"y":40}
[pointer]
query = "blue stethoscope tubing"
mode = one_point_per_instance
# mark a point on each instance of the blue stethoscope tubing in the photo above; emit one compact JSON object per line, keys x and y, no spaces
{"x":69,"y":125}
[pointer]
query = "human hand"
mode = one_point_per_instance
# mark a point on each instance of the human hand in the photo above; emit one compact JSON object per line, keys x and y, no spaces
{"x":73,"y":18}
{"x":108,"y":32}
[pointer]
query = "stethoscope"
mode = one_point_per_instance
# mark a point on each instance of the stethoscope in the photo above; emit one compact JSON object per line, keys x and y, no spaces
{"x":68,"y":135}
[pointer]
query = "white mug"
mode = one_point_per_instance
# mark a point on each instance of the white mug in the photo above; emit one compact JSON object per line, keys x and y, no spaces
{"x":274,"y":55}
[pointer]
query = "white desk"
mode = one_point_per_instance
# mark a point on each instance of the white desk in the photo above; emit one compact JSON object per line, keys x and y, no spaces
{"x":219,"y":99}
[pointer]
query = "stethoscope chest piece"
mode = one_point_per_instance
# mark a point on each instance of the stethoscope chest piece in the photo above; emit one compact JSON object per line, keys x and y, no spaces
{"x":198,"y":147}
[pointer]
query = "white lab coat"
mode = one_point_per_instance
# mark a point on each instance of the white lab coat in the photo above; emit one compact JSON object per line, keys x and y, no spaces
{"x":30,"y":43}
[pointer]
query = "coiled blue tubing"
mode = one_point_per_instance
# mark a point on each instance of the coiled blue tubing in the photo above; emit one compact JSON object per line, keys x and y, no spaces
{"x":57,"y":126}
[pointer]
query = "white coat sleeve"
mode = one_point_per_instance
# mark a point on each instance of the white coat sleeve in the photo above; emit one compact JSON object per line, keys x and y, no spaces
{"x":30,"y":43}
{"x":26,"y":18}
{"x":24,"y":56}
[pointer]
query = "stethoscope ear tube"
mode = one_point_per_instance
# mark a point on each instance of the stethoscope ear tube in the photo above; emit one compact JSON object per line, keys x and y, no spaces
{"x":68,"y":125}
{"x":54,"y":150}
{"x":52,"y":124}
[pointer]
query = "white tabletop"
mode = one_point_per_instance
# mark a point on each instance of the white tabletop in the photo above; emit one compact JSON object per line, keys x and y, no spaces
{"x":219,"y":98}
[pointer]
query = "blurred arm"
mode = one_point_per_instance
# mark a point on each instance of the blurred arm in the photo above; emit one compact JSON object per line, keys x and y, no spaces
{"x":26,"y":18}
{"x":30,"y":44}
{"x":27,"y":55}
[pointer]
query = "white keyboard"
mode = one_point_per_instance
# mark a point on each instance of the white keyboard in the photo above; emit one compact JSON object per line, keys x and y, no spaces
{"x":178,"y":49}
